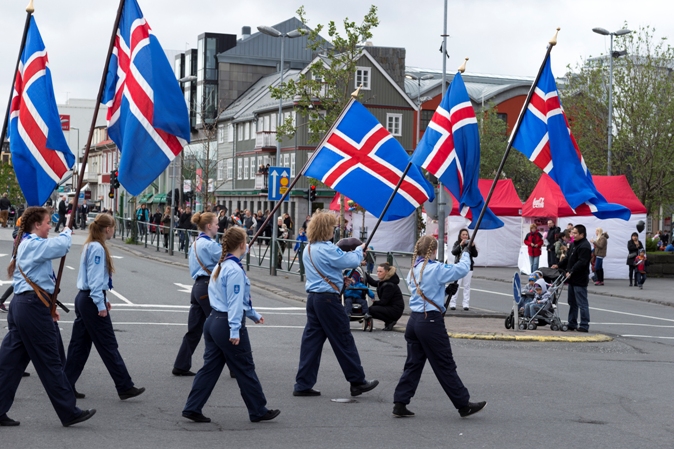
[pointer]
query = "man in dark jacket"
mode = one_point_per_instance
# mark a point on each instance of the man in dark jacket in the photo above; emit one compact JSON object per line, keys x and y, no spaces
{"x":62,"y":211}
{"x":553,"y":231}
{"x":577,"y":267}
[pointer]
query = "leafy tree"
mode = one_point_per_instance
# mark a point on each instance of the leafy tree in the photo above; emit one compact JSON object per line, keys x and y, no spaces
{"x":9,"y":184}
{"x":643,"y":107}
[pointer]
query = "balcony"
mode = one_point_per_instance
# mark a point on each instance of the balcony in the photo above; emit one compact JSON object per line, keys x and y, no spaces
{"x":265,"y":139}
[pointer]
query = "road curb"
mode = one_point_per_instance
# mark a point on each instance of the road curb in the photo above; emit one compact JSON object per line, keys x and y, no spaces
{"x":593,"y":338}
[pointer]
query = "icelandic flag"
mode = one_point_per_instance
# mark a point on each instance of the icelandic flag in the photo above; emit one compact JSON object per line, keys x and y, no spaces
{"x":147,"y":114}
{"x":450,"y":150}
{"x":40,"y":153}
{"x":545,"y":138}
{"x":359,"y":158}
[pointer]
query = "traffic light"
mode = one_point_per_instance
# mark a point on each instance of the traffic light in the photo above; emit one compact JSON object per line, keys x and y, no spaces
{"x":114,"y":181}
{"x":111,"y":193}
{"x":312,"y":193}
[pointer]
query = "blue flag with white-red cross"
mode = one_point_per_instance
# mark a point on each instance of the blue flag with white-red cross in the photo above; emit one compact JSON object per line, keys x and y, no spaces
{"x":40,"y":154}
{"x":147,"y":115}
{"x":546,"y":139}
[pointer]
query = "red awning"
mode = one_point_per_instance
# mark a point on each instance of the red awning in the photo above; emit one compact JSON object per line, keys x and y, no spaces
{"x":504,"y":201}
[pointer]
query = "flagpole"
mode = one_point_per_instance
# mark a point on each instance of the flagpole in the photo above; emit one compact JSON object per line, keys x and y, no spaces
{"x":85,"y":158}
{"x":525,"y":106}
{"x":30,"y":9}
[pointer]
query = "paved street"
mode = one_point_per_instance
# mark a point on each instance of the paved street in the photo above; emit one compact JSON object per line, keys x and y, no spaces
{"x":596,"y":395}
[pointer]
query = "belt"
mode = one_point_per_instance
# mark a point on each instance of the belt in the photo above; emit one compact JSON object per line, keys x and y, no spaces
{"x":323,"y":293}
{"x":202,"y":277}
{"x":218,"y":313}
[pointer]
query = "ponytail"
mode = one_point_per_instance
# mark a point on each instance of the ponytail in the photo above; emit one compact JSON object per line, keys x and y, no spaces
{"x":231,"y":240}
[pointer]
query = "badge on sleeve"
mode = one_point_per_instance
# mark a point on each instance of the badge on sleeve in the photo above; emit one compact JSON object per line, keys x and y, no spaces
{"x":237,"y":289}
{"x":97,"y":259}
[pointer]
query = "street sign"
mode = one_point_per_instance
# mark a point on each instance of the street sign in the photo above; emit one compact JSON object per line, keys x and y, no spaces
{"x":278,"y":183}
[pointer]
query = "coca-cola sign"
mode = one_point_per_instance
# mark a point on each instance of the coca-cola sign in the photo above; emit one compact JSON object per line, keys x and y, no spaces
{"x":538,"y":203}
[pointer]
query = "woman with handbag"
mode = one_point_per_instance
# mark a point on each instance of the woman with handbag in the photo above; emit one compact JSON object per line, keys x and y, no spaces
{"x":633,"y":247}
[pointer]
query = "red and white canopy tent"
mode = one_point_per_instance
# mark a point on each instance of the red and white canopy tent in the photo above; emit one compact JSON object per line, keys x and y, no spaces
{"x":546,"y":201}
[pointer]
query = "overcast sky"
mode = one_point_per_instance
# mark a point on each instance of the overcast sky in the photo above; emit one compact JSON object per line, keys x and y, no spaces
{"x":503,"y":37}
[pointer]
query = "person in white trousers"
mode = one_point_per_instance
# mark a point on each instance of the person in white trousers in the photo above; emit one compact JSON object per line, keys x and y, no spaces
{"x":459,"y":245}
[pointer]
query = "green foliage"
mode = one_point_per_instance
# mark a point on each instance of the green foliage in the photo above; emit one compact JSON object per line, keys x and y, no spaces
{"x":9,"y":184}
{"x":321,"y":94}
{"x":651,"y":245}
{"x":493,"y":142}
{"x":643,"y":107}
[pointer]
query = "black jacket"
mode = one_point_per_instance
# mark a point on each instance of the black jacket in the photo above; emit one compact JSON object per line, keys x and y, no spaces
{"x":185,"y":221}
{"x":552,"y":234}
{"x":577,"y":263}
{"x":633,"y":248}
{"x":388,"y":292}
{"x":63,"y":208}
{"x":4,"y":203}
{"x":457,"y":249}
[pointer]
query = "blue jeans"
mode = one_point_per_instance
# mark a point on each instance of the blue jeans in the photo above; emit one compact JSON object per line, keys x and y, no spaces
{"x":533,"y":261}
{"x":348,"y":305}
{"x":531,"y":308}
{"x":578,"y":302}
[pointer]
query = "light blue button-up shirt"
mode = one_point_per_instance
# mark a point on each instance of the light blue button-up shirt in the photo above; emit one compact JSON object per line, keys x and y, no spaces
{"x":94,"y":274}
{"x":34,"y":256}
{"x":330,"y":260}
{"x":436,"y":276}
{"x":209,"y":252}
{"x":230,"y":293}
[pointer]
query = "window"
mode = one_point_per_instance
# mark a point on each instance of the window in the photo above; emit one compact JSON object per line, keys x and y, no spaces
{"x":246,"y":131}
{"x":265,"y":160}
{"x":266,"y":126}
{"x":292,"y":165}
{"x":252,"y":167}
{"x":221,"y":133}
{"x":245,"y":168}
{"x":260,"y":124}
{"x":273,"y":123}
{"x":239,"y":168}
{"x":239,"y":132}
{"x":426,"y":116}
{"x":286,"y":160}
{"x":503,"y":117}
{"x":221,"y":170}
{"x":230,"y":167}
{"x":363,"y":77}
{"x":230,"y":132}
{"x":393,"y":123}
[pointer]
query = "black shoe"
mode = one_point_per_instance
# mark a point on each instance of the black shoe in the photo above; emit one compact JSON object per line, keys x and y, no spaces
{"x":466,"y":309}
{"x":452,"y":308}
{"x":357,"y":390}
{"x":131,"y":393}
{"x":472,"y":408}
{"x":309,"y":392}
{"x":271,"y":414}
{"x":571,"y":329}
{"x":86,"y":414}
{"x":25,"y":374}
{"x":79,"y":395}
{"x":400,"y":410}
{"x":182,"y":372}
{"x":389,"y":326}
{"x":8,"y":422}
{"x":581,"y":329}
{"x":231,"y":374}
{"x":196,"y":417}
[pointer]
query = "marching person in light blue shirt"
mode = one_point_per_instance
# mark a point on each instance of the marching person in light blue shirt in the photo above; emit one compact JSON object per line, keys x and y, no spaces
{"x":92,"y":313}
{"x":32,"y":335}
{"x":203,"y":257}
{"x":326,"y":318}
{"x":226,"y":335}
{"x":426,"y":334}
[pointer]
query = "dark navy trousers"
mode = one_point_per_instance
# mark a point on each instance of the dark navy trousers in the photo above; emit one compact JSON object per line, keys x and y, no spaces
{"x":427,"y":338}
{"x":200,"y":309}
{"x":33,"y":337}
{"x":90,"y":328}
{"x":220,"y":351}
{"x":326,"y":319}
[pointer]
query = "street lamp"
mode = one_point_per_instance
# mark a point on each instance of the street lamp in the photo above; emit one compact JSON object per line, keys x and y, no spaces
{"x":410,"y":76}
{"x":273,"y":32}
{"x":612,"y":55}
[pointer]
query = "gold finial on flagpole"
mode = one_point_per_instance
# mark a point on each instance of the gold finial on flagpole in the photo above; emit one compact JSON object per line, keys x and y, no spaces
{"x":356,"y":92}
{"x":553,"y":41}
{"x":30,"y":9}
{"x":462,"y":68}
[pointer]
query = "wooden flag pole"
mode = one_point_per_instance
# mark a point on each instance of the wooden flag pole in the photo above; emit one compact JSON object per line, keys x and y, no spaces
{"x":30,"y":9}
{"x":551,"y":44}
{"x":85,"y":158}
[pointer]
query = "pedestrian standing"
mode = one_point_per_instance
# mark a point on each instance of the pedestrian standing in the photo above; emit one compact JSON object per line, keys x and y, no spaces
{"x":226,"y":335}
{"x":552,"y":236}
{"x":93,"y":323}
{"x":326,"y":318}
{"x":33,"y":334}
{"x":534,"y":242}
{"x":600,"y":246}
{"x":62,"y":209}
{"x":5,"y":204}
{"x":426,"y":334}
{"x":203,"y":256}
{"x":464,"y":282}
{"x":634,"y":245}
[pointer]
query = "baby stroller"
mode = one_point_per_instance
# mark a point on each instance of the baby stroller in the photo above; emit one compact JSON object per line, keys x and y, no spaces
{"x":357,"y":313}
{"x":549,"y":314}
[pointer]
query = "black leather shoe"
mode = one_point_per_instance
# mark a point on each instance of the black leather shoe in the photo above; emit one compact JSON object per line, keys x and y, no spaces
{"x":131,"y":393}
{"x":231,"y":374}
{"x":79,"y":395}
{"x":580,"y":329}
{"x":466,"y":309}
{"x":182,"y":372}
{"x":452,"y":308}
{"x":8,"y":422}
{"x":472,"y":408}
{"x":309,"y":392}
{"x":400,"y":410}
{"x":196,"y":417}
{"x":86,"y":414}
{"x":25,"y":374}
{"x":389,"y":326}
{"x":271,"y":414}
{"x":357,"y":390}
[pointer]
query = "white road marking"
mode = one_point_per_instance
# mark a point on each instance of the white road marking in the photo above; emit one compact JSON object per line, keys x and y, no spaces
{"x":117,"y":257}
{"x":489,"y":291}
{"x":3,"y":255}
{"x":280,"y":308}
{"x":626,"y":313}
{"x":69,"y":267}
{"x":6,"y":282}
{"x":647,"y":336}
{"x":634,"y":324}
{"x":183,"y":288}
{"x":114,"y":292}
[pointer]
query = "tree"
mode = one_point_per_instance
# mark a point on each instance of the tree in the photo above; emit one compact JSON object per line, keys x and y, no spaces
{"x":9,"y":184}
{"x":643,"y":107}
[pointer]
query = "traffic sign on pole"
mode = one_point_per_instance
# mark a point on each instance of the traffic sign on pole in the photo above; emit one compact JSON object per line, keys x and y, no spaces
{"x":278,"y":183}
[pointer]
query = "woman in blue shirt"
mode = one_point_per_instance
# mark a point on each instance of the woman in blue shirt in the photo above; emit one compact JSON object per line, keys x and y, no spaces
{"x":203,"y":257}
{"x":92,"y":318}
{"x":426,"y":334}
{"x":226,"y":335}
{"x":32,"y":334}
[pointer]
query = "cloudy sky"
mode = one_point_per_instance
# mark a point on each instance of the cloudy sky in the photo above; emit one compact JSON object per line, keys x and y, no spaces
{"x":503,"y":37}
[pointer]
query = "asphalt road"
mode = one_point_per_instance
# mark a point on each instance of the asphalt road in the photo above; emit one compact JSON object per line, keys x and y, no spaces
{"x":592,"y":395}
